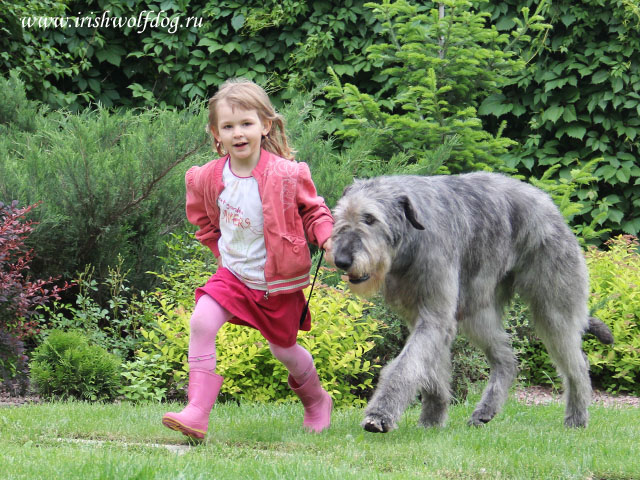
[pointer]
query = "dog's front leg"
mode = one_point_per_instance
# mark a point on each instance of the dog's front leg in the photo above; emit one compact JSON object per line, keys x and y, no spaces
{"x":424,"y":363}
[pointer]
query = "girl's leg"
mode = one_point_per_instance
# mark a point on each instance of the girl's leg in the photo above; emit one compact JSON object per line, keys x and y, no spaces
{"x":298,"y":361}
{"x":207,"y":318}
{"x":204,"y":384}
{"x":304,"y":381}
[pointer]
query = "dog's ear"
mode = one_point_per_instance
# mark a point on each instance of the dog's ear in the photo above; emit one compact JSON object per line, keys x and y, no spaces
{"x":410,"y":213}
{"x":346,"y":189}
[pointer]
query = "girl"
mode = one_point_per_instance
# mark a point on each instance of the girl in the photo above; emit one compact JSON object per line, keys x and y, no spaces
{"x":254,"y":206}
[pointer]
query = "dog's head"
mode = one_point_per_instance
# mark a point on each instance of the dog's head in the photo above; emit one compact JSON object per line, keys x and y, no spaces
{"x":371,"y":220}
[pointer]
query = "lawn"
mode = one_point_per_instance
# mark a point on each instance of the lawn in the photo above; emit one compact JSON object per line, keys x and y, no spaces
{"x":254,"y":441}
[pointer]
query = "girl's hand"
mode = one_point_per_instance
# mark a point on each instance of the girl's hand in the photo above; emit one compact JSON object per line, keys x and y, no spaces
{"x":328,"y":254}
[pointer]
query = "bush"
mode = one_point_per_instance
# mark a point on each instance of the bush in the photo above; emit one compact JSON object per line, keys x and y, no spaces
{"x":281,"y":42}
{"x":615,"y":282}
{"x":16,"y":110}
{"x":13,"y":364}
{"x":114,"y":327}
{"x":109,"y":183}
{"x":341,"y":336}
{"x":534,"y":365}
{"x":67,"y":366}
{"x":19,"y":295}
{"x":576,"y":101}
{"x":615,"y":277}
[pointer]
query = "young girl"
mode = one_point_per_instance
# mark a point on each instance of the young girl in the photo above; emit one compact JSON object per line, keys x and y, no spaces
{"x":254,"y":206}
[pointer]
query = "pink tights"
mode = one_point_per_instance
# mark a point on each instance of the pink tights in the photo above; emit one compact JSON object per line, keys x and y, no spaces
{"x":208,"y":317}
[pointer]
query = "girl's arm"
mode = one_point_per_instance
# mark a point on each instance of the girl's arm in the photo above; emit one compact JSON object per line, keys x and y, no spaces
{"x":316,"y":216}
{"x":209,"y":233}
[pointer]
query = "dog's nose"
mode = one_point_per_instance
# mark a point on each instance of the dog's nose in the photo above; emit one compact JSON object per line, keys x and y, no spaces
{"x":343,"y":261}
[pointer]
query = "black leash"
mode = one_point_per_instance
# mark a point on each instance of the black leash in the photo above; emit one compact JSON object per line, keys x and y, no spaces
{"x":306,"y":307}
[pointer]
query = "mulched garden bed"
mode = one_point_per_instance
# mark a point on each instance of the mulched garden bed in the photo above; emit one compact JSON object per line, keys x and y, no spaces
{"x":528,"y":395}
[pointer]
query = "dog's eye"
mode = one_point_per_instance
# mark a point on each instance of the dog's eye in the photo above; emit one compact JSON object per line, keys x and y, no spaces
{"x":369,"y":219}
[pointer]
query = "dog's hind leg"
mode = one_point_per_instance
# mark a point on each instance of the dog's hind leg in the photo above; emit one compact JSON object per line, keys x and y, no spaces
{"x":485,"y":330}
{"x":563,"y":338}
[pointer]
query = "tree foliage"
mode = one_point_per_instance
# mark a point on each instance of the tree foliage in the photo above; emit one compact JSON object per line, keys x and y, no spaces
{"x":109,"y":183}
{"x":578,"y":101}
{"x":438,"y":69}
{"x":284,"y":42}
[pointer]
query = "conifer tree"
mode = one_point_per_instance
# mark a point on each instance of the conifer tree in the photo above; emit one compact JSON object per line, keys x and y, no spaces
{"x":439,"y":64}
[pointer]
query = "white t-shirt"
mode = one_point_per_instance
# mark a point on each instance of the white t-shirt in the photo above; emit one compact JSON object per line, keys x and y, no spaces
{"x":242,"y":248}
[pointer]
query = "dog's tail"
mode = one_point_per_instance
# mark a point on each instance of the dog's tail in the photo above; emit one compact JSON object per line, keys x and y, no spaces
{"x":600,"y":330}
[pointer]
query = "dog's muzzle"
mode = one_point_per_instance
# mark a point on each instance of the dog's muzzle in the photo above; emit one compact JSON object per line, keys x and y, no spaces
{"x":357,"y":280}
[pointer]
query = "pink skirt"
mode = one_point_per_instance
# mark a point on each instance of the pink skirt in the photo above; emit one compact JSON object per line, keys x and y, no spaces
{"x":277,"y":318}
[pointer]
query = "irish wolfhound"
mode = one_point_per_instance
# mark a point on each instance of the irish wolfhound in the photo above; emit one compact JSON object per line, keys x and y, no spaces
{"x":448,"y":252}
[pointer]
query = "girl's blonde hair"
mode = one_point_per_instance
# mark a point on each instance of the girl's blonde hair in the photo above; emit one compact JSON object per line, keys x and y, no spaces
{"x":245,"y":94}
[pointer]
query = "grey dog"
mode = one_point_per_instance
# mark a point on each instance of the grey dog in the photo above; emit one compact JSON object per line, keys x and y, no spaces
{"x":449,"y":252}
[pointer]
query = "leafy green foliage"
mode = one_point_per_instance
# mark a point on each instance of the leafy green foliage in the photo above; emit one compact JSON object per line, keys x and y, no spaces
{"x":110,"y":184}
{"x":67,"y":366}
{"x":34,"y":55}
{"x":144,"y":379}
{"x":113,"y":327}
{"x":563,"y":191}
{"x":309,"y":128}
{"x":14,"y":370}
{"x":190,"y":50}
{"x":340,"y":337}
{"x":578,"y":101}
{"x":16,"y":110}
{"x":535,"y":366}
{"x":615,"y":277}
{"x":437,"y":70}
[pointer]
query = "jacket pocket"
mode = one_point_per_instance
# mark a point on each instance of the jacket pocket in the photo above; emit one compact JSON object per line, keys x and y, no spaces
{"x":294,"y":258}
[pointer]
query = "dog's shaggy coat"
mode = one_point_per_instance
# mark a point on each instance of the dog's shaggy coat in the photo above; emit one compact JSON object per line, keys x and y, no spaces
{"x":449,"y":252}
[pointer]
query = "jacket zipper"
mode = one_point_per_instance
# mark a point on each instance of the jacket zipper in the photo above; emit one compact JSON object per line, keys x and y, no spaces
{"x":266,"y":247}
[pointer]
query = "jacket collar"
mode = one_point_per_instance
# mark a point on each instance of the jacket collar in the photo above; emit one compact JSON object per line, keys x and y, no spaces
{"x":257,"y":172}
{"x":263,"y":161}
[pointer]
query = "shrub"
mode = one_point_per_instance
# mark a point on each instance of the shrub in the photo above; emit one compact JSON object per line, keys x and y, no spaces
{"x":340,"y":336}
{"x":615,"y":282}
{"x":19,"y":295}
{"x":615,"y":277}
{"x":534,"y":365}
{"x":277,"y":41}
{"x":13,"y":364}
{"x":16,"y":109}
{"x":67,"y":366}
{"x":110,"y":183}
{"x":115,"y":326}
{"x":144,"y":379}
{"x":577,"y":100}
{"x":342,"y":333}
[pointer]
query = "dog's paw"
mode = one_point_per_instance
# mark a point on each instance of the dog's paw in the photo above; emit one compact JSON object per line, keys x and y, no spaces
{"x":578,"y":420}
{"x":377,"y":424}
{"x":480,"y":417}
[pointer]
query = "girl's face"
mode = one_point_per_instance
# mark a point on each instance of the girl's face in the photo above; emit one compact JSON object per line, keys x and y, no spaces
{"x":240,"y":132}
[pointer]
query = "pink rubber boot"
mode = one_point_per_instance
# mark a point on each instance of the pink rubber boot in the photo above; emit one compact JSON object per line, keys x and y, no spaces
{"x":316,"y":401}
{"x":193,"y":421}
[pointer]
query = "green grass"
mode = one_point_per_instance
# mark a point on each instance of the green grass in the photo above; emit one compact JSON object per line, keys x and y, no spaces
{"x":266,"y":441}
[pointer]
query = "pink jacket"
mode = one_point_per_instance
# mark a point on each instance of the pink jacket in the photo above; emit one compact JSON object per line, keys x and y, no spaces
{"x":291,"y":209}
